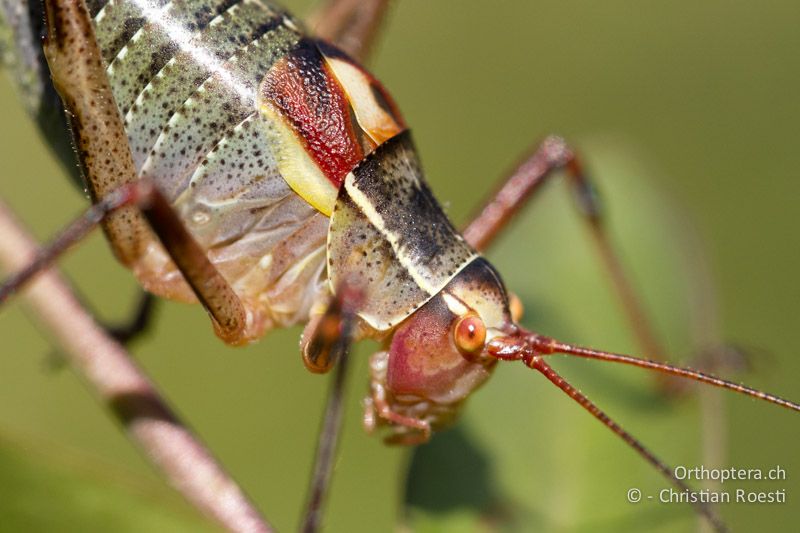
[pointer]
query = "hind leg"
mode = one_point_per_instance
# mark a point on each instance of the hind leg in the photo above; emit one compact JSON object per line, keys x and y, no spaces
{"x":352,"y":25}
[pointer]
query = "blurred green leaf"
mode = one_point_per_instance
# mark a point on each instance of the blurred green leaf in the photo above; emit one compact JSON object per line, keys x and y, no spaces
{"x":39,"y":494}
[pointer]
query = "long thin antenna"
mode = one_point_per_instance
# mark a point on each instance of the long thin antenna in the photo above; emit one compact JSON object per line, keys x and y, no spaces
{"x":538,"y":363}
{"x":531,"y":348}
{"x":546,"y":346}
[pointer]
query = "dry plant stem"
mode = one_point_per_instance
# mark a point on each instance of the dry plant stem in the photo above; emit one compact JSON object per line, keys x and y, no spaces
{"x":117,"y":381}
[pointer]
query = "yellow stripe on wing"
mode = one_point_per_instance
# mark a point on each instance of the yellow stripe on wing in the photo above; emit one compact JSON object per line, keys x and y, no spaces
{"x":296,"y":165}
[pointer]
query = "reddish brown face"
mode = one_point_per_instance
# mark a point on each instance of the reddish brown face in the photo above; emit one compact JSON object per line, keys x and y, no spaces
{"x":424,"y":356}
{"x":436,"y":358}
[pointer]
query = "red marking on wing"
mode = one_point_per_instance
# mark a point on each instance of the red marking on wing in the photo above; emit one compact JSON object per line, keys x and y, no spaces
{"x":307,"y":94}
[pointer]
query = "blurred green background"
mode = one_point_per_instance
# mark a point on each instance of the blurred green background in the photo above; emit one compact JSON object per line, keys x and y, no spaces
{"x":688,"y":115}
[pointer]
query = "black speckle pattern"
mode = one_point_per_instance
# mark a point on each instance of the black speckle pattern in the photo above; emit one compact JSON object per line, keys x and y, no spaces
{"x":391,"y":180}
{"x":359,"y":252}
{"x":94,"y":6}
{"x":116,"y":22}
{"x":147,"y":54}
{"x":260,"y":40}
{"x":210,"y":114}
{"x":409,"y":251}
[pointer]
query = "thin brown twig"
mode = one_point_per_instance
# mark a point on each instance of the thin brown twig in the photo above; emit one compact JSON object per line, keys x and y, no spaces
{"x":133,"y":399}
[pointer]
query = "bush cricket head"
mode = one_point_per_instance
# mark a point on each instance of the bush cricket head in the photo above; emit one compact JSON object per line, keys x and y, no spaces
{"x":438,"y":356}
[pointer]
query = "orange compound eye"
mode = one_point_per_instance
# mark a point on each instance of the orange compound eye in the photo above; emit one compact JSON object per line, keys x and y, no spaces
{"x":470,"y":334}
